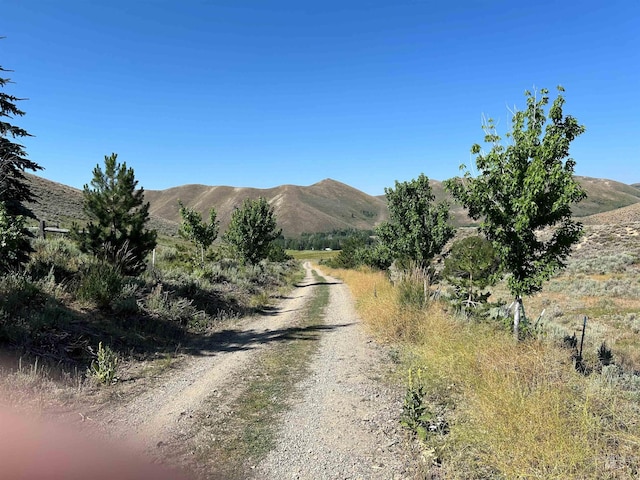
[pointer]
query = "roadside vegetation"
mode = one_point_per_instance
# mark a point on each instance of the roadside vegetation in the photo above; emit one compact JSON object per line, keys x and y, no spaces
{"x":494,"y":390}
{"x":489,"y":407}
{"x":85,"y":308}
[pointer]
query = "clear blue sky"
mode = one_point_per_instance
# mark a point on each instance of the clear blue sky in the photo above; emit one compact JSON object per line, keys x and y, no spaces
{"x":263,"y":93}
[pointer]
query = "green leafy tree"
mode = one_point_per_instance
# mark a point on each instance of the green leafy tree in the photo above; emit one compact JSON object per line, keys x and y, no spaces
{"x":471,"y":266}
{"x":117,"y":218}
{"x":193,"y":228}
{"x":350,"y":255}
{"x":417,"y":229}
{"x":14,"y":189}
{"x":523,"y":194}
{"x":252,"y":228}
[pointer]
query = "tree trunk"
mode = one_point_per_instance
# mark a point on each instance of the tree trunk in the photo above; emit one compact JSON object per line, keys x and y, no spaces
{"x":516,"y":318}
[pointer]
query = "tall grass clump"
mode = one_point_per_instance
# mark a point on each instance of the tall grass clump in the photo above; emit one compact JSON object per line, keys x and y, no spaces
{"x":512,"y":409}
{"x":100,"y":283}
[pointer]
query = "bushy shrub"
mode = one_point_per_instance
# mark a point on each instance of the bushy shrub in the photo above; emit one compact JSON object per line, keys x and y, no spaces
{"x":55,"y":256}
{"x":471,"y":266}
{"x":18,"y":291}
{"x":160,"y":303}
{"x":277,"y":253}
{"x":100,"y":283}
{"x":12,"y":239}
{"x":127,"y":301}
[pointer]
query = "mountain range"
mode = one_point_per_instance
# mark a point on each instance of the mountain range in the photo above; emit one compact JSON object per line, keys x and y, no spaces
{"x":322,"y":207}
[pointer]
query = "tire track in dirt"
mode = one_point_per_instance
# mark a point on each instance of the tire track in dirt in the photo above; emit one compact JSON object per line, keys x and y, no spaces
{"x":163,"y":413}
{"x":345,"y":422}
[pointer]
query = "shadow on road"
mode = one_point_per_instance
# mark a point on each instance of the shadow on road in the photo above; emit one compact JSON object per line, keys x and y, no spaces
{"x":232,"y":340}
{"x":304,"y":285}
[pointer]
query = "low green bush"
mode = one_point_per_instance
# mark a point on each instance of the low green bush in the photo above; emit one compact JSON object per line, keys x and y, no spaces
{"x":100,"y":283}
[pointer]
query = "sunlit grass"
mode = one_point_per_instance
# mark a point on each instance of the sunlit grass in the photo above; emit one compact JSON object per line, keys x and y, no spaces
{"x":516,"y":410}
{"x":313,"y":255}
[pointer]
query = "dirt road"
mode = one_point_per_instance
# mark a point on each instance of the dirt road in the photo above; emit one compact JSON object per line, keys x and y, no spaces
{"x":342,"y":422}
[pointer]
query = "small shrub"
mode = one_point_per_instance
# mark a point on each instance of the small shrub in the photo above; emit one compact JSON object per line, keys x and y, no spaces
{"x":605,"y":355}
{"x":104,"y":368}
{"x":161,"y":304}
{"x":570,"y":341}
{"x":18,"y":291}
{"x":127,"y":300}
{"x":415,"y":415}
{"x":278,"y":254}
{"x":100,"y":283}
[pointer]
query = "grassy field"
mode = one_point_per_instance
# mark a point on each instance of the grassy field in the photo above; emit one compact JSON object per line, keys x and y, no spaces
{"x":493,"y":408}
{"x":313,"y":255}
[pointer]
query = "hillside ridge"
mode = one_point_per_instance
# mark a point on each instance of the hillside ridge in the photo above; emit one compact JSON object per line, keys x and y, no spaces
{"x":321,"y":207}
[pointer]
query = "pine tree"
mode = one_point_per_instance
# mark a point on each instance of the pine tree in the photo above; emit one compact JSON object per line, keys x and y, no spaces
{"x":14,"y":189}
{"x":117,"y":217}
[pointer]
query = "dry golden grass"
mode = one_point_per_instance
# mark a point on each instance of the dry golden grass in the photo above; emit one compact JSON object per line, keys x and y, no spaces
{"x":515,"y":410}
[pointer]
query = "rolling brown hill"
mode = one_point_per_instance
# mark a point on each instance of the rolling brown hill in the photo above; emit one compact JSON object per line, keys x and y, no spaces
{"x":321,"y":207}
{"x":619,"y":216}
{"x":605,"y":195}
{"x":60,"y":204}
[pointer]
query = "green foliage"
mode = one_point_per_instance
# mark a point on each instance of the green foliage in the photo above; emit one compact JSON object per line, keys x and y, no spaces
{"x":118,"y":215}
{"x":11,"y":239}
{"x":100,"y":283}
{"x":471,"y":266}
{"x":54,"y":257}
{"x":348,"y":256}
{"x":417,"y":229}
{"x":278,"y":254}
{"x":523,"y":188}
{"x":14,"y":190}
{"x":415,"y":413}
{"x":171,"y":307}
{"x":195,"y":230}
{"x":252,"y":230}
{"x":17,"y":292}
{"x":104,"y":369}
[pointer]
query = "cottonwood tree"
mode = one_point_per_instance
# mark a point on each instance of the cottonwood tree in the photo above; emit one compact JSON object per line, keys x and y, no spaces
{"x":193,"y":228}
{"x":523,"y":194}
{"x":252,"y":228}
{"x":417,"y":229}
{"x":14,"y":189}
{"x":116,"y":231}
